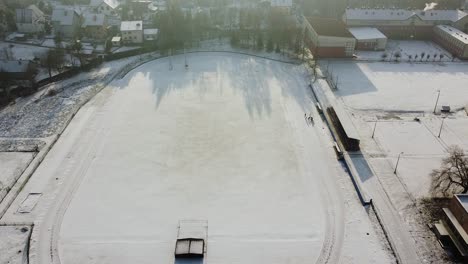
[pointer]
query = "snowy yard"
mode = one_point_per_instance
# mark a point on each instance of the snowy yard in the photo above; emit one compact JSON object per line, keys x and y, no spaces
{"x":223,"y":141}
{"x":400,"y":86}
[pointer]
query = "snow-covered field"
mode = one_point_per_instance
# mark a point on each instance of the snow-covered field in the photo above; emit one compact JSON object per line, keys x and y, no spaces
{"x":396,"y":93}
{"x":400,"y":86}
{"x":224,"y":141}
{"x":13,"y":244}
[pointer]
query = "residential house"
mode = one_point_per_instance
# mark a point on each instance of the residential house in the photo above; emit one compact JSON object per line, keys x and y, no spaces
{"x":94,"y":26}
{"x":30,"y":20}
{"x":66,"y":21}
{"x":106,"y":7}
{"x":132,"y":32}
{"x":150,"y":34}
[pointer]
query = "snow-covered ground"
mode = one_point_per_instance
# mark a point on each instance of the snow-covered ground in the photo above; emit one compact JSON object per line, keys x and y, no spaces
{"x":224,"y":141}
{"x":407,"y":48}
{"x":394,"y":94}
{"x":12,"y":164}
{"x":400,"y":86}
{"x":13,"y":244}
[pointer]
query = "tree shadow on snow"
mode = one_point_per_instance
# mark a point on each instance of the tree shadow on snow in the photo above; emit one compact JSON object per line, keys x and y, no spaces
{"x":253,"y":78}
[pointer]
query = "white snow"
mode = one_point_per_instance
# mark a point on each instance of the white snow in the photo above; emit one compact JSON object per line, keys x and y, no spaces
{"x":401,"y":86}
{"x":12,"y":164}
{"x":13,"y":243}
{"x":19,"y":51}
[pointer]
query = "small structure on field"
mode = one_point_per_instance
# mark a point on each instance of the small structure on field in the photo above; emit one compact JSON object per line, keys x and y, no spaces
{"x":192,"y":237}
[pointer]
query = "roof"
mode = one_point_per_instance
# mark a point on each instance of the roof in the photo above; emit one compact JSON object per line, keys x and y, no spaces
{"x":329,"y":27}
{"x":111,"y":3}
{"x":458,"y":34}
{"x":131,"y":25}
{"x":363,"y":33}
{"x":281,"y":3}
{"x":64,"y":16}
{"x":403,"y":14}
{"x":150,"y":31}
{"x":463,"y":198}
{"x":14,"y":66}
{"x":90,"y":20}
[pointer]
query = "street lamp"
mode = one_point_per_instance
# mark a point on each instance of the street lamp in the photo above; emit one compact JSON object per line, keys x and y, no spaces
{"x":441,"y":125}
{"x":398,"y":160}
{"x":375,"y":126}
{"x":438,"y":95}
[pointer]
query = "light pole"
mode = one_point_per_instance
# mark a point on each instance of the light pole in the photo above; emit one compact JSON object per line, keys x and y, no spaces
{"x":437,"y":101}
{"x":441,"y":125}
{"x":375,"y":126}
{"x":398,"y":160}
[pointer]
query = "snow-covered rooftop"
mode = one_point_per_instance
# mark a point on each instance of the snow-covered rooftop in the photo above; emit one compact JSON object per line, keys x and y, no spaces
{"x":64,"y":16}
{"x":362,"y":33}
{"x":403,"y":14}
{"x":13,"y":66}
{"x":458,"y":34}
{"x":281,"y":3}
{"x":131,"y":25}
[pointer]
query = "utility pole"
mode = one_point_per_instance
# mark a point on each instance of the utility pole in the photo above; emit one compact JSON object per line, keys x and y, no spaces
{"x":441,"y":125}
{"x":170,"y":60}
{"x":437,"y":101}
{"x":398,"y":160}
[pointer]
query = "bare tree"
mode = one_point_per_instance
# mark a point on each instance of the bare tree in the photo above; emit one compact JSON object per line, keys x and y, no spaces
{"x":384,"y":56}
{"x":452,"y":177}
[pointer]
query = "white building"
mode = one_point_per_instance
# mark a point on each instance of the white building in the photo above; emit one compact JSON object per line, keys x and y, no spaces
{"x":132,"y":31}
{"x":452,"y":39}
{"x":30,"y":20}
{"x":402,"y":23}
{"x":368,"y":38}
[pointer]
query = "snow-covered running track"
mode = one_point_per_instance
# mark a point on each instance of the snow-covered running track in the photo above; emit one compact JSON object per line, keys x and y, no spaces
{"x":224,"y":141}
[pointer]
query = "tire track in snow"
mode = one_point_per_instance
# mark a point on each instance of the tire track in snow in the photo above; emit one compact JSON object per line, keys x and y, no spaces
{"x":334,"y":220}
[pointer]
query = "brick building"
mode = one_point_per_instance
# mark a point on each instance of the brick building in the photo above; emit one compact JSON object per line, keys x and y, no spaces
{"x":452,"y":228}
{"x":329,"y":38}
{"x":452,"y":40}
